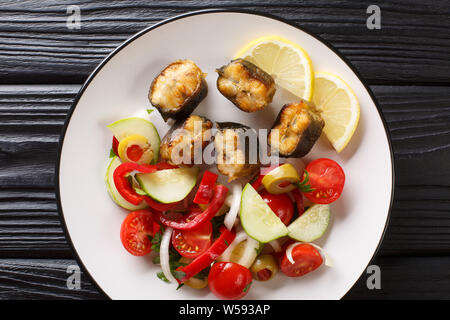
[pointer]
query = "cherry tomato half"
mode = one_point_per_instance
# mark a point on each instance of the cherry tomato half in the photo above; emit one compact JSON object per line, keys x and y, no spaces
{"x":229,"y":280}
{"x":281,"y":205}
{"x":306,"y":259}
{"x":190,"y":244}
{"x":136,"y":228}
{"x":327,"y":179}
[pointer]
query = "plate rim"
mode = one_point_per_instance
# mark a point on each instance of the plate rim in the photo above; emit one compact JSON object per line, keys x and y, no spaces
{"x":100,"y":66}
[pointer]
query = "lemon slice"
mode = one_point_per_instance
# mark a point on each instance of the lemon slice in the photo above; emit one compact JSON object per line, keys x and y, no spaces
{"x":285,"y":61}
{"x":339,"y":106}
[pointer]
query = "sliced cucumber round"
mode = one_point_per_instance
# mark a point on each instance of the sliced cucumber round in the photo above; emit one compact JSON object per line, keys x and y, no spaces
{"x":112,"y":191}
{"x":257,"y":219}
{"x":167,"y":186}
{"x":131,"y":126}
{"x":312,"y":224}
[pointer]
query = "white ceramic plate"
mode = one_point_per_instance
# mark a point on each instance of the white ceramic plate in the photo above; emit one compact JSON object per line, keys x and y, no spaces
{"x":118,"y":88}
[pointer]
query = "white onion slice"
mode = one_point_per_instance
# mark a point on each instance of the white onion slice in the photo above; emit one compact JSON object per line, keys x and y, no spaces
{"x":164,"y":254}
{"x":230,"y":218}
{"x":275,"y":245}
{"x":250,"y":252}
{"x":226,"y":255}
{"x":289,"y":251}
{"x":326,"y":258}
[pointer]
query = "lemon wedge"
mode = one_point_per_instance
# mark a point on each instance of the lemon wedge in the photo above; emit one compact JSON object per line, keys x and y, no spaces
{"x":285,"y":61}
{"x":339,"y":106}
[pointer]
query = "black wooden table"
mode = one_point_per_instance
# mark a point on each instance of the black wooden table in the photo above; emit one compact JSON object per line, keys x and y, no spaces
{"x":43,"y":64}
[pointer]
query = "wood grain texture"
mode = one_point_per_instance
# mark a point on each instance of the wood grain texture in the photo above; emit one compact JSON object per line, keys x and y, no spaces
{"x":407,"y":278}
{"x":42,"y":279}
{"x":31,"y":118}
{"x":36,"y":45}
{"x":401,"y":277}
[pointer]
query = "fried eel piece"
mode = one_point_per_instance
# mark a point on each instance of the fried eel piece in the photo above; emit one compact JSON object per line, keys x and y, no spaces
{"x":178,"y":89}
{"x":247,"y":86}
{"x":299,"y":126}
{"x":185,"y":141}
{"x":236,"y":148}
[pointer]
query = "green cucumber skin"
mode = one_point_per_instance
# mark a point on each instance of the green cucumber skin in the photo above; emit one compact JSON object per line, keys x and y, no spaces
{"x":243,"y":222}
{"x":323,"y":227}
{"x":149,"y":193}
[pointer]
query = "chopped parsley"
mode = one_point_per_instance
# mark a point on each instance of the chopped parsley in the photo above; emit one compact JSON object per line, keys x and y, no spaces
{"x":247,"y":287}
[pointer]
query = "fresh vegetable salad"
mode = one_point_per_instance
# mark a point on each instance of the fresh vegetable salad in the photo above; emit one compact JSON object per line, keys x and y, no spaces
{"x":221,"y":223}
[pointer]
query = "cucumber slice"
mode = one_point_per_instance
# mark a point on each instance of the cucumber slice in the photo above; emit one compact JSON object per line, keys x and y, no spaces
{"x":112,"y":191}
{"x":312,"y":224}
{"x":167,"y":186}
{"x":129,"y":126}
{"x":257,"y":219}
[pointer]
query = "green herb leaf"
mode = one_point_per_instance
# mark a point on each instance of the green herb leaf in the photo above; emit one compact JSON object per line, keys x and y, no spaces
{"x":226,"y":242}
{"x":156,"y":260}
{"x":149,"y":111}
{"x":258,"y":251}
{"x":112,"y":154}
{"x":179,"y":274}
{"x":180,"y":285}
{"x":247,"y":287}
{"x":216,"y":223}
{"x":156,"y":241}
{"x":161,"y":276}
{"x":202,"y":274}
{"x":303,"y":185}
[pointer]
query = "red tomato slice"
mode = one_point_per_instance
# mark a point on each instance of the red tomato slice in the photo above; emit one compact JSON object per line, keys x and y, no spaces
{"x":190,"y":244}
{"x":327,"y":180}
{"x":136,"y":228}
{"x":306,"y":259}
{"x":229,"y":280}
{"x":281,"y":205}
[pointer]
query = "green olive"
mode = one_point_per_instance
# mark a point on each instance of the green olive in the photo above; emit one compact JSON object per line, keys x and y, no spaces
{"x":281,"y":179}
{"x":197,"y":283}
{"x":264,"y":268}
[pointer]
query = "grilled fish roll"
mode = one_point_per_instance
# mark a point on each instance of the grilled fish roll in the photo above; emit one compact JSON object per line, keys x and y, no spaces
{"x":178,"y":89}
{"x":184,"y":143}
{"x":247,"y":86}
{"x":299,"y":126}
{"x":236,"y":148}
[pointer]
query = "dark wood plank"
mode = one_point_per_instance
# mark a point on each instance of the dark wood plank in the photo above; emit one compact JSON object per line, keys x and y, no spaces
{"x":42,"y":279}
{"x":37,"y":47}
{"x":31,"y":118}
{"x":407,"y":278}
{"x":401,"y":278}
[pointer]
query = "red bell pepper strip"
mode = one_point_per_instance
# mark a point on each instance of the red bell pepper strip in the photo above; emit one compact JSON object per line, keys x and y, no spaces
{"x":122,"y":183}
{"x":165,"y":165}
{"x":257,"y":182}
{"x":158,"y":206}
{"x":205,"y":259}
{"x":298,"y":201}
{"x":115,"y":146}
{"x":205,"y":189}
{"x":220,"y":193}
